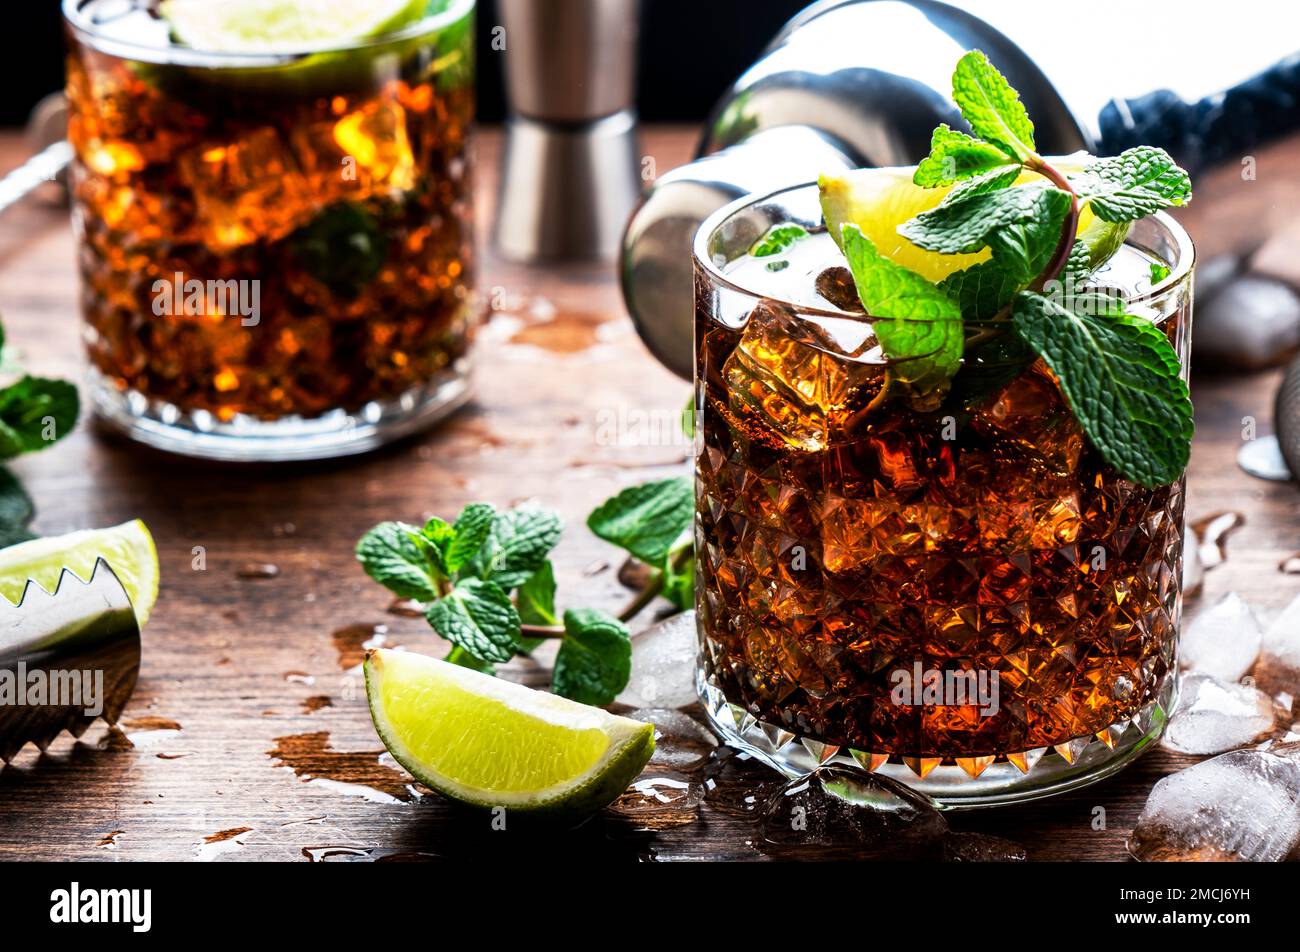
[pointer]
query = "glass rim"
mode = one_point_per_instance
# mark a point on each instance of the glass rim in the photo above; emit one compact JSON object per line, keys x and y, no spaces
{"x":92,"y":35}
{"x":1178,"y":272}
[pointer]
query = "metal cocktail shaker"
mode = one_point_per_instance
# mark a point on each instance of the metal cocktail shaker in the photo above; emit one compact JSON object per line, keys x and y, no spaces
{"x":853,"y":83}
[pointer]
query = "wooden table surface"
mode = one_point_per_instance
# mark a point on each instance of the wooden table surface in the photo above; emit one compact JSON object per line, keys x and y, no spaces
{"x":248,"y":735}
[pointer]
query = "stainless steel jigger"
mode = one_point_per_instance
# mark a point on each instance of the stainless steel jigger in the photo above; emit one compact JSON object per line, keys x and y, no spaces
{"x":571,"y":173}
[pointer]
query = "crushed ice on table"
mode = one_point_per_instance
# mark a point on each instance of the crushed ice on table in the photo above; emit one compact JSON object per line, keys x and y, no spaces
{"x":1214,"y":716}
{"x":681,"y":742}
{"x":981,"y":848}
{"x":1238,"y":806}
{"x":1278,"y":669}
{"x":663,"y":664}
{"x":842,"y":811}
{"x":659,"y":801}
{"x":1222,"y":640}
{"x":1213,"y":531}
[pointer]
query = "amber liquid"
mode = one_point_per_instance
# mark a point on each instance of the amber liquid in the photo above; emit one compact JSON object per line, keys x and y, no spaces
{"x":344,"y":195}
{"x":839,"y":545}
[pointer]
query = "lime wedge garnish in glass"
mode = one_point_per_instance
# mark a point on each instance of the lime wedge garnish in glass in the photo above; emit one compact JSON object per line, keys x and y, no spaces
{"x":879,"y":200}
{"x":285,"y":26}
{"x":128,"y":549}
{"x":489,"y":742}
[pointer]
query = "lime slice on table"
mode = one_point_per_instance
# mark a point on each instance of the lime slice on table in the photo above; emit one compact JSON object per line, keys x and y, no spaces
{"x":285,"y":26}
{"x":489,"y":742}
{"x":128,"y":549}
{"x":879,"y":200}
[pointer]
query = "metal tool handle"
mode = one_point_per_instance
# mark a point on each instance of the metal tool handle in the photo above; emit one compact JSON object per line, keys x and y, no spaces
{"x":43,"y":167}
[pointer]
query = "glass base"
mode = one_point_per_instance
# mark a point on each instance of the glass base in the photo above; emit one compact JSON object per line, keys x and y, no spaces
{"x":968,"y":783}
{"x":246,"y":439}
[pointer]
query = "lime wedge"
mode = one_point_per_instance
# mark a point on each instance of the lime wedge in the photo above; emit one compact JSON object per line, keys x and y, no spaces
{"x":285,"y":26}
{"x":879,"y":200}
{"x":127,"y":548}
{"x":490,"y":743}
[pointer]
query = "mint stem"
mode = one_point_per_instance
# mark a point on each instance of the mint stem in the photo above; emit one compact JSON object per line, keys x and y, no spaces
{"x":1062,"y":254}
{"x":639,"y":601}
{"x":1055,"y":265}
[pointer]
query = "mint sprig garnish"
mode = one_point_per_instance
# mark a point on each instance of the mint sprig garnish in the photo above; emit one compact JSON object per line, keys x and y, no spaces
{"x":1032,"y":297}
{"x":486,"y":583}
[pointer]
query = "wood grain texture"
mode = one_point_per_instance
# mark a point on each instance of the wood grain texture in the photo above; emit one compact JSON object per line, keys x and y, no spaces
{"x":249,"y":723}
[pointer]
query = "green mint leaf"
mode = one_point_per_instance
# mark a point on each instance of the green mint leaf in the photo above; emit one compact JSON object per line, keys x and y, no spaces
{"x":16,"y":510}
{"x":955,"y":156}
{"x":1021,"y":225}
{"x":479,"y":617}
{"x":989,"y":367}
{"x":984,"y":289}
{"x":34,"y":413}
{"x":688,"y":419}
{"x":777,"y":239}
{"x":918,"y":326}
{"x":458,"y":655}
{"x":536,"y":597}
{"x":679,"y":584}
{"x":1159,"y":271}
{"x":647,"y":520}
{"x":1078,"y":267}
{"x":595,"y":657}
{"x":468,"y":535}
{"x":1120,"y":376}
{"x":988,"y":182}
{"x":433,"y":540}
{"x":391,"y":553}
{"x":516,"y":546}
{"x":1133,"y":184}
{"x":992,"y":107}
{"x":535,"y":601}
{"x":344,"y":247}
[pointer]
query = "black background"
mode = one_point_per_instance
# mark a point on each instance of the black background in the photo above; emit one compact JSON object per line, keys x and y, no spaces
{"x":691,"y":50}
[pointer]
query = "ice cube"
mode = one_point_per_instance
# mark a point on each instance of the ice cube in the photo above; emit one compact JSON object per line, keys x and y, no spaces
{"x":802,"y":378}
{"x":1214,"y":716}
{"x":364,"y":152}
{"x":1223,"y":640}
{"x":1278,"y":669}
{"x":375,"y":136}
{"x":841,"y":811}
{"x":1030,"y":413}
{"x":981,"y":848}
{"x":247,"y":190}
{"x":663,"y":664}
{"x":1243,"y":805}
{"x":681,"y":742}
